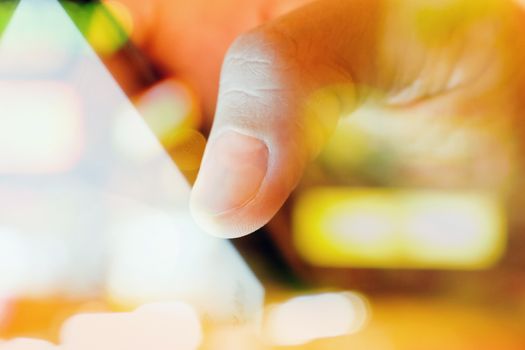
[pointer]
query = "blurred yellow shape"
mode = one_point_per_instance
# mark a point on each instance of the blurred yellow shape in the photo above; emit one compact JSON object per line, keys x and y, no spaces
{"x":188,"y":149}
{"x":306,"y":318}
{"x":168,"y":106}
{"x":110,"y":27}
{"x":436,"y":21}
{"x":455,"y":230}
{"x":389,"y":228}
{"x":171,"y":111}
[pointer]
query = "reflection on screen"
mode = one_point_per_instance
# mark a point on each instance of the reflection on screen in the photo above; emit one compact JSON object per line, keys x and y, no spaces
{"x":90,"y":203}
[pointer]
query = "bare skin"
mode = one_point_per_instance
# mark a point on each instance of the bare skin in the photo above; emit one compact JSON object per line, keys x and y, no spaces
{"x":285,"y":83}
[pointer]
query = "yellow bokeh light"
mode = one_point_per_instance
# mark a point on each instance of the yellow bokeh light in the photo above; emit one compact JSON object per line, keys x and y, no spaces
{"x":110,"y":28}
{"x":171,"y":111}
{"x":390,"y":228}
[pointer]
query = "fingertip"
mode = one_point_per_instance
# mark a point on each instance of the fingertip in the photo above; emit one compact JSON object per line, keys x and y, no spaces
{"x":236,"y":223}
{"x":231,"y":177}
{"x":243,"y":220}
{"x":220,"y":226}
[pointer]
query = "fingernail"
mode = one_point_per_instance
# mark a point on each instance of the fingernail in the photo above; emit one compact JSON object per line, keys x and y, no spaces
{"x":231,"y":174}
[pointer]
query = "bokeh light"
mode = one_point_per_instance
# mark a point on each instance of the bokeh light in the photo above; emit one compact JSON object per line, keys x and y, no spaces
{"x":395,"y":228}
{"x":171,"y":111}
{"x":157,"y":326}
{"x":110,"y":27}
{"x":106,"y":25}
{"x":44,"y":135}
{"x":306,"y":318}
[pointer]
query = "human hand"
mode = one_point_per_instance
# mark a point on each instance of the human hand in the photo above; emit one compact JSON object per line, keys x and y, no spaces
{"x":188,"y":40}
{"x":285,"y":84}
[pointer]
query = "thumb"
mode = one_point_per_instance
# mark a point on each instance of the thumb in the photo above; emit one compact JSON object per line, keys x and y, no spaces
{"x":280,"y":95}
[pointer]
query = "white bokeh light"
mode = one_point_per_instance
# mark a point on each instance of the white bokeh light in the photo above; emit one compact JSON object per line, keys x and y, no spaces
{"x":306,"y":318}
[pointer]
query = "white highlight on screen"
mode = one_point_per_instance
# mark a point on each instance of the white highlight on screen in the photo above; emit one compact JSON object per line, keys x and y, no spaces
{"x":40,"y":126}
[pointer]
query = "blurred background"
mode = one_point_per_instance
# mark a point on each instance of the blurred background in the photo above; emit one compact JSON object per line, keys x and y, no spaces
{"x":385,"y":244}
